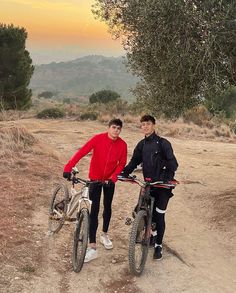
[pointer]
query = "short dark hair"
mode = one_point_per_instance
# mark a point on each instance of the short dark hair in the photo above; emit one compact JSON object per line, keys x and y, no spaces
{"x":146,"y":118}
{"x":115,"y":121}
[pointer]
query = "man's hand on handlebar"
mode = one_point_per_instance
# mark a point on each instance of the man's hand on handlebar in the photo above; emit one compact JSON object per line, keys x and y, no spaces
{"x":123,"y":175}
{"x":67,"y":175}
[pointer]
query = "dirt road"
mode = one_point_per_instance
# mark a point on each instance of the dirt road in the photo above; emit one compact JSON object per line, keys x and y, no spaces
{"x":200,"y":250}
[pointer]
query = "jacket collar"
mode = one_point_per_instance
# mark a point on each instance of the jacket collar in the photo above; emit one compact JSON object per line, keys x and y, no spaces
{"x":150,"y":137}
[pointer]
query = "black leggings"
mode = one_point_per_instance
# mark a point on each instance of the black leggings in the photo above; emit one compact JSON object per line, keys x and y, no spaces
{"x":95,"y":196}
{"x":162,"y":197}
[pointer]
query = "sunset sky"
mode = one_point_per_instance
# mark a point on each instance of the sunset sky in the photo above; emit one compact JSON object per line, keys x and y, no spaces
{"x":59,"y":30}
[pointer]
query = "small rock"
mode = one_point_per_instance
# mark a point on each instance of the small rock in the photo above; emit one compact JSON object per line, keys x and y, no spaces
{"x":114,"y":261}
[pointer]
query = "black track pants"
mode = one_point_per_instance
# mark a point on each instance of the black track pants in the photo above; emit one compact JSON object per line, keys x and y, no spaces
{"x":162,"y":197}
{"x":95,"y":196}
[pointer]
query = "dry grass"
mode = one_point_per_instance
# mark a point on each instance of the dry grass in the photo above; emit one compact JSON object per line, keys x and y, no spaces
{"x":25,"y":184}
{"x":180,"y":129}
{"x":14,"y":139}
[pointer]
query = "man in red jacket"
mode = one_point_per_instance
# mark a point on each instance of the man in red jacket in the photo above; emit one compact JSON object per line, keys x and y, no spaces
{"x":108,"y":160}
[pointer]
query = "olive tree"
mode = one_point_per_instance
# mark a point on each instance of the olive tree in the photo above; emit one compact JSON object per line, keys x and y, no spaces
{"x":184,"y":51}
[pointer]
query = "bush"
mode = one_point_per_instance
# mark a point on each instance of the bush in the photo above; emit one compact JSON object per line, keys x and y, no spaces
{"x":46,"y":95}
{"x":66,"y":101}
{"x":89,"y":116}
{"x":103,"y":97}
{"x":51,"y":113}
{"x":199,"y":115}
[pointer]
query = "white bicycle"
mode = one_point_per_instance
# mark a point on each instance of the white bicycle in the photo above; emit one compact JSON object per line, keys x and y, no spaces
{"x":63,"y":207}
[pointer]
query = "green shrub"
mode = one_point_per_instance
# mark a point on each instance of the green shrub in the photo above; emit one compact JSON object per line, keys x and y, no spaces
{"x":66,"y":101}
{"x":89,"y":116}
{"x":103,"y":97}
{"x":51,"y":113}
{"x":46,"y":95}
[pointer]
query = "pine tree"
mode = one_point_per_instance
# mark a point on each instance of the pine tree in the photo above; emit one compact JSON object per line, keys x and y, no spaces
{"x":15,"y":68}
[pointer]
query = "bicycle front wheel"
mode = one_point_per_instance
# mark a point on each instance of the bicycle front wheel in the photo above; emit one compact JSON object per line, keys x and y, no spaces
{"x":80,"y":240}
{"x":58,"y":208}
{"x":139,"y":242}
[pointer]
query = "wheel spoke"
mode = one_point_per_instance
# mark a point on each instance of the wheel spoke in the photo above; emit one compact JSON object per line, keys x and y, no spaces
{"x":58,"y":208}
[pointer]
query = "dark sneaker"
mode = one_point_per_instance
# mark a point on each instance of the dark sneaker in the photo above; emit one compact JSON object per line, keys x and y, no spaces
{"x":157,"y":252}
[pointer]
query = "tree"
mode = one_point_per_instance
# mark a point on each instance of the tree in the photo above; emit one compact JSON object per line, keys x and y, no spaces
{"x":184,"y":51}
{"x":103,"y":97}
{"x":224,"y":103}
{"x":15,"y":68}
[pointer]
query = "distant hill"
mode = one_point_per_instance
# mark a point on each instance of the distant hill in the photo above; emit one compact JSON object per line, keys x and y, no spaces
{"x":84,"y":76}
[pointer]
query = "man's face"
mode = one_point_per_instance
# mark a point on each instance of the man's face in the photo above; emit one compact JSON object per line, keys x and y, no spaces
{"x":147,"y":127}
{"x":114,"y":131}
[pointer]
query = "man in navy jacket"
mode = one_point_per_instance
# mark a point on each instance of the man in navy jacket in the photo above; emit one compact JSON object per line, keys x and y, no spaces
{"x":158,"y":164}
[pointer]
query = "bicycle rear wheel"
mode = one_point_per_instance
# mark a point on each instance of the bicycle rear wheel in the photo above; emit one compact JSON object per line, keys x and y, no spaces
{"x":58,"y":208}
{"x":80,"y":240}
{"x":139,"y":242}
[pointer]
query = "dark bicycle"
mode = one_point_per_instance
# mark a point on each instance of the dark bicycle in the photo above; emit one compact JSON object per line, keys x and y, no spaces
{"x":142,"y":224}
{"x":63,"y":207}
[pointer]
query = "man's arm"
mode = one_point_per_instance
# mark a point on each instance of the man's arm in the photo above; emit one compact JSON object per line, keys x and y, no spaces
{"x":80,"y":154}
{"x":135,"y":160}
{"x":120,"y":165}
{"x":171,"y":162}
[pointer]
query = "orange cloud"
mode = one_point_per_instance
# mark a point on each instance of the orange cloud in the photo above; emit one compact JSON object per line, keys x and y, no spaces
{"x":62,"y":22}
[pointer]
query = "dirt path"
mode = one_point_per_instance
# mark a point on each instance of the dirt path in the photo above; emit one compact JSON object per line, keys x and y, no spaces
{"x":200,"y":254}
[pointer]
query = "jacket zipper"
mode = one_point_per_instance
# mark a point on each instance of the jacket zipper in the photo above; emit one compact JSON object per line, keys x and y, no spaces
{"x":108,"y":156}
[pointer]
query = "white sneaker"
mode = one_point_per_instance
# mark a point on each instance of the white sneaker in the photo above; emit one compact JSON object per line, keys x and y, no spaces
{"x":104,"y":239}
{"x":91,"y":254}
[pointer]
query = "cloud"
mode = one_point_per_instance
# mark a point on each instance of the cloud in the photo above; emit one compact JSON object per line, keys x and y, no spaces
{"x":46,"y":4}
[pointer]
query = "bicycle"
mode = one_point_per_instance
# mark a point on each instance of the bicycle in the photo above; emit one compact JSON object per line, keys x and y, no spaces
{"x":62,"y":208}
{"x":142,"y":224}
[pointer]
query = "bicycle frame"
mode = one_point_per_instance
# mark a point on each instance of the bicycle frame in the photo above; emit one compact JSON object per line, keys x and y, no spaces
{"x":79,"y":200}
{"x":146,"y":201}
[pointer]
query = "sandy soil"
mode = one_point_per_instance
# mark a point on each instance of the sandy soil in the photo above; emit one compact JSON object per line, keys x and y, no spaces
{"x":199,"y":252}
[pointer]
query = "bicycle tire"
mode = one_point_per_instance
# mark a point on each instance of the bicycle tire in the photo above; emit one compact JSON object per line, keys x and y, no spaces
{"x":57,"y":213}
{"x":80,"y":240}
{"x":139,"y":240}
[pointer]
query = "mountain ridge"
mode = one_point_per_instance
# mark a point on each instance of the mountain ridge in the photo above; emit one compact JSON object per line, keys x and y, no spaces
{"x":84,"y":76}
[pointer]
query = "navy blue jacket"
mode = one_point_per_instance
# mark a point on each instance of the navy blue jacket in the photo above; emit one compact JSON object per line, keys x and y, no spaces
{"x":157,"y":158}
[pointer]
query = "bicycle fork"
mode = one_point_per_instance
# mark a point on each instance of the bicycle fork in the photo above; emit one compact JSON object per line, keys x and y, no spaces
{"x":149,"y":222}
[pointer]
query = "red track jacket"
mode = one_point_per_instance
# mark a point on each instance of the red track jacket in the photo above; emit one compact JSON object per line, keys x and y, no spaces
{"x":108,"y":158}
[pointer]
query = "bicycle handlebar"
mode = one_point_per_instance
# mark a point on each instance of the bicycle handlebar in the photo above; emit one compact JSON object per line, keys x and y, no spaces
{"x":76,"y":180}
{"x":142,"y":183}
